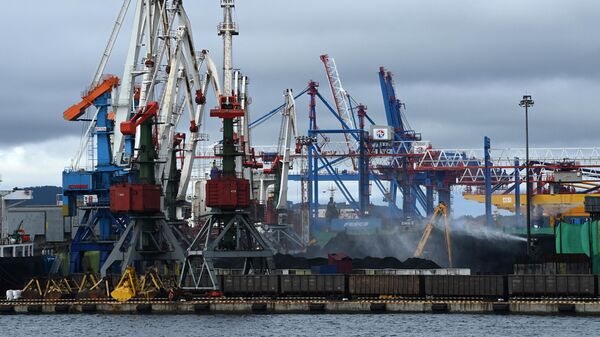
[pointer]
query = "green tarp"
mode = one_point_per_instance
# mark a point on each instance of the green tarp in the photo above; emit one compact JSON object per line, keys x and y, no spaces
{"x":579,"y":239}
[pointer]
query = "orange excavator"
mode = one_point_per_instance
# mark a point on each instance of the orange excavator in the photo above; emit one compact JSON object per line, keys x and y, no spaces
{"x":440,"y":211}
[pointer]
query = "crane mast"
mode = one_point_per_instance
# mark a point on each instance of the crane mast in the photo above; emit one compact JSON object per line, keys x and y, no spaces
{"x":227,"y":29}
{"x":210,"y":78}
{"x":278,"y":230}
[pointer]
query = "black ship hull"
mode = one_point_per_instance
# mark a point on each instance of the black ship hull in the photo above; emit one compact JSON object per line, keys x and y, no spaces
{"x":16,"y":271}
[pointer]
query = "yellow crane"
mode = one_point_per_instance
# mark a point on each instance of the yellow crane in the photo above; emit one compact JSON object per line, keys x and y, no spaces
{"x":440,"y":211}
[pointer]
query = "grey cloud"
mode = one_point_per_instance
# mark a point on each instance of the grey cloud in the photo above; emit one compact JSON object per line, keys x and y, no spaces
{"x":460,"y":66}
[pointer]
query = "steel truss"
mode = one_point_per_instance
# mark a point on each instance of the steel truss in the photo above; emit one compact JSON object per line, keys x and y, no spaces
{"x":147,"y":241}
{"x":225,"y":235}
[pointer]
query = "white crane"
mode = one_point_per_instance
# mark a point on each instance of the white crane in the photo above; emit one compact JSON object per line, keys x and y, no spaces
{"x":281,"y":234}
{"x":287,"y":134}
{"x":161,"y":65}
{"x":150,"y":42}
{"x":340,"y":97}
{"x":211,"y":77}
{"x":96,"y":80}
{"x":183,"y":80}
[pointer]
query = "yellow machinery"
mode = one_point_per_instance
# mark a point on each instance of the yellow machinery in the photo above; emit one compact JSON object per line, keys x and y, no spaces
{"x":552,"y":204}
{"x":57,"y":288}
{"x":440,"y":210}
{"x":151,"y":285}
{"x":33,"y":289}
{"x":128,"y":286}
{"x":148,"y":286}
{"x":92,"y":287}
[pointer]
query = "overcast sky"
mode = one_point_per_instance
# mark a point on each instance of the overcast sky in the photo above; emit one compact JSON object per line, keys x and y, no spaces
{"x":461,"y":67}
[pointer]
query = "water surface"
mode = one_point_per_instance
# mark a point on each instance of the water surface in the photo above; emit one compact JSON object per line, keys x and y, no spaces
{"x":76,"y":325}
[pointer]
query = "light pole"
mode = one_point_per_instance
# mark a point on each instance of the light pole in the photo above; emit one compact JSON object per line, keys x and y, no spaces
{"x":527,"y":102}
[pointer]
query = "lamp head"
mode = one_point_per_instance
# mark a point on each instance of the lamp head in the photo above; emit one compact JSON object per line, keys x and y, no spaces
{"x":526,"y":101}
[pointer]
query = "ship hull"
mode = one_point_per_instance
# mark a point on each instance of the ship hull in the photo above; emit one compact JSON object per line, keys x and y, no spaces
{"x":16,"y":271}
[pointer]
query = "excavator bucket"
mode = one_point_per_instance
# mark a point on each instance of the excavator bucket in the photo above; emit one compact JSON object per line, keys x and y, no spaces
{"x":151,"y":285}
{"x":60,"y":288}
{"x":128,"y":286}
{"x":33,"y":290}
{"x":101,"y":289}
{"x":123,"y":294}
{"x":92,"y":287}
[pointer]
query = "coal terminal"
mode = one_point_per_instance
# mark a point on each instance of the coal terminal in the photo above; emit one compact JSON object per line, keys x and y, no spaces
{"x":482,"y":251}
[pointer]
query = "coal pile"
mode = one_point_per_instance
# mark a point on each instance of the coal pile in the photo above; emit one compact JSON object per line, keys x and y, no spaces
{"x":283,"y":261}
{"x":483,"y":251}
{"x":418,"y":263}
{"x":486,"y":255}
{"x":286,"y":261}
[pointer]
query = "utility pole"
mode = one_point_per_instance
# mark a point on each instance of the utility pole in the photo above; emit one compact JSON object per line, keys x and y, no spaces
{"x":527,"y":102}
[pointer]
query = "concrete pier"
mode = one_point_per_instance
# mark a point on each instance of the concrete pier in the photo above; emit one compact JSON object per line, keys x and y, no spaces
{"x":239,"y":306}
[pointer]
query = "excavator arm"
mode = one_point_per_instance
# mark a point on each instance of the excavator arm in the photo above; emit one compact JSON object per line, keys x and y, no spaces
{"x":440,"y":211}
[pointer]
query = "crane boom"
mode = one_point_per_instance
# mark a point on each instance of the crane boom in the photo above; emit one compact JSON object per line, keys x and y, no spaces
{"x":111,"y":42}
{"x":125,"y":95}
{"x":340,"y":97}
{"x":289,"y":130}
{"x":74,"y":112}
{"x":78,"y":109}
{"x":211,"y":77}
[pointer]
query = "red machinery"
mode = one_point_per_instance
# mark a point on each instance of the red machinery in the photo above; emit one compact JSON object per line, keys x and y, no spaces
{"x":129,"y":127}
{"x":138,"y":198}
{"x":228,"y":193}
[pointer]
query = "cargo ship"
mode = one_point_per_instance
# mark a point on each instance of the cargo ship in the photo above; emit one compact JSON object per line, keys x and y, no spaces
{"x":19,"y":263}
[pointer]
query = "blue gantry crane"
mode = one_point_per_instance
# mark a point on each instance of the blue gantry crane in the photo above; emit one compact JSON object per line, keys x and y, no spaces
{"x":88,"y":190}
{"x":401,"y":177}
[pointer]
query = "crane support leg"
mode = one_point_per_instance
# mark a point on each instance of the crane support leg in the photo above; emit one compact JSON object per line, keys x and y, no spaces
{"x":147,"y":240}
{"x":226,"y":235}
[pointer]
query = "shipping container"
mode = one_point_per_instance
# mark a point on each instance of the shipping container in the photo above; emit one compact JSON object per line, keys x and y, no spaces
{"x":324,"y":270}
{"x":341,"y":261}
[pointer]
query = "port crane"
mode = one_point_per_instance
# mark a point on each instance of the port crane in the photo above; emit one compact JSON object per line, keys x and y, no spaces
{"x":162,"y":80}
{"x":441,"y":211}
{"x":280,"y":231}
{"x":98,"y":227}
{"x":228,"y":232}
{"x":341,"y":99}
{"x":287,"y":134}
